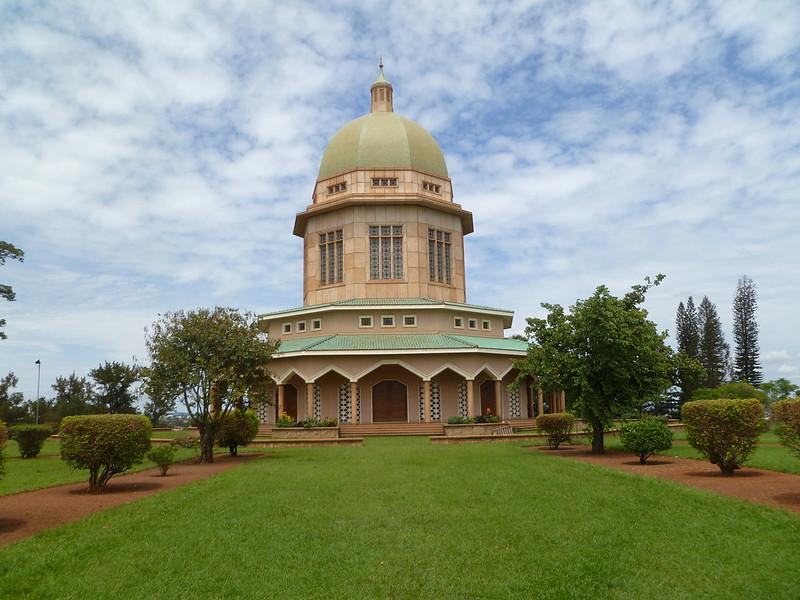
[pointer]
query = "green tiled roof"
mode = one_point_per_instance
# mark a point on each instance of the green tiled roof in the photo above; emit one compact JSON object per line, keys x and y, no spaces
{"x":402,"y":341}
{"x":385,"y":302}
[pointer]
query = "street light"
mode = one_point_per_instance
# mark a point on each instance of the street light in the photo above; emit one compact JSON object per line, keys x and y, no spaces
{"x":38,"y":381}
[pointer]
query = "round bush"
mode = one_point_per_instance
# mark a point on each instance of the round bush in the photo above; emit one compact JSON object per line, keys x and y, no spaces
{"x":646,"y":437}
{"x":725,"y":431}
{"x":163,"y":456}
{"x":557,"y":426}
{"x":106,"y":445}
{"x":30,"y":438}
{"x":787,"y":414}
{"x":238,"y":428}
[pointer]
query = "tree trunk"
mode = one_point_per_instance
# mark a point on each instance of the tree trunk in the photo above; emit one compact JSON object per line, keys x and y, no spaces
{"x":598,"y":446}
{"x":207,"y":445}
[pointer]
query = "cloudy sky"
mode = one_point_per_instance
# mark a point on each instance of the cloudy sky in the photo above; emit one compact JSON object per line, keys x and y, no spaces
{"x":154,"y":155}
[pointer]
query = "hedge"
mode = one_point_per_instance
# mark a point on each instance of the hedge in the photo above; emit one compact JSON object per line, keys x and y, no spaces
{"x":725,"y":431}
{"x":106,"y":445}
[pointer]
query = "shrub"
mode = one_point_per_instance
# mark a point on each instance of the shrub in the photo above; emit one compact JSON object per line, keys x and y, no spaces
{"x":106,"y":445}
{"x":459,"y":420}
{"x":3,"y":440}
{"x":787,"y":413}
{"x":285,"y":420}
{"x":725,"y":431}
{"x":557,"y":426}
{"x":163,"y":456}
{"x":487,"y":417}
{"x":329,"y":422}
{"x":238,"y":428}
{"x":646,"y":437}
{"x":30,"y":438}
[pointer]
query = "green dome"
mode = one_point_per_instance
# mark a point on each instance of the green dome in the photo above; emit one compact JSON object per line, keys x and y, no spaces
{"x":382,"y":140}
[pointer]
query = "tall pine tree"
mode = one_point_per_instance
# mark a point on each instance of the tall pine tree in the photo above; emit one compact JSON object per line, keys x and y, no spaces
{"x":746,"y":364}
{"x":714,"y":352}
{"x":689,"y":375}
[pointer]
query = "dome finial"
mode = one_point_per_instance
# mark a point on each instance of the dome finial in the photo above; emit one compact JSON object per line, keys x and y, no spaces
{"x":381,"y":92}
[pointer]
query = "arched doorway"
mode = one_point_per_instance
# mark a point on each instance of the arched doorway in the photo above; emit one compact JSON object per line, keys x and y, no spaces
{"x":488,"y":404}
{"x":389,"y":402}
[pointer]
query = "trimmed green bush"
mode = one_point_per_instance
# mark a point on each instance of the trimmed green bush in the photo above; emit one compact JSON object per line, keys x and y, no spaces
{"x":725,"y":431}
{"x":238,"y":428}
{"x":646,"y":437}
{"x":163,"y":456}
{"x":458,"y":420}
{"x":787,"y":414}
{"x":106,"y":445}
{"x":557,"y":426}
{"x":30,"y":438}
{"x":188,"y":441}
{"x":3,"y":440}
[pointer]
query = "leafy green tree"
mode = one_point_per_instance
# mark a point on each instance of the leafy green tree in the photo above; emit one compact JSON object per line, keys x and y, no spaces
{"x":8,"y":251}
{"x":746,"y":364}
{"x":787,"y":413}
{"x":115,"y":380}
{"x":714,"y":351}
{"x":12,"y":408}
{"x":689,"y":372}
{"x":605,"y":354}
{"x":159,"y":402}
{"x":732,"y":389}
{"x":105,"y":445}
{"x":74,"y":396}
{"x":777,"y":389}
{"x":211,"y":361}
{"x":3,"y":441}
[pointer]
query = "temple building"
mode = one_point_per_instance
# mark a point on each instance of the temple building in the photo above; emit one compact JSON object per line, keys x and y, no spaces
{"x":385,"y":333}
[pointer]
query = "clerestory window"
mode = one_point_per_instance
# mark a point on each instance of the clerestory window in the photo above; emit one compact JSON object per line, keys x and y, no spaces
{"x":331,"y":259}
{"x":439,"y":256}
{"x":386,"y":252}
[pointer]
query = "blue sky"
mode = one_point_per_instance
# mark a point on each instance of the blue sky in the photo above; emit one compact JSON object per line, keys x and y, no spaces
{"x":155,"y":154}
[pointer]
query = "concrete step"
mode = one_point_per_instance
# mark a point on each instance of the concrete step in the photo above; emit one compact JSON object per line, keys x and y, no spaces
{"x":391,"y":429}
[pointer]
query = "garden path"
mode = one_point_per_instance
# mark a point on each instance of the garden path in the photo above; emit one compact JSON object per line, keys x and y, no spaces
{"x":26,"y":513}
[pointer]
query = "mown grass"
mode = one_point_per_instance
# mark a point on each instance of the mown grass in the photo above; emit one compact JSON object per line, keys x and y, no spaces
{"x":399,"y":518}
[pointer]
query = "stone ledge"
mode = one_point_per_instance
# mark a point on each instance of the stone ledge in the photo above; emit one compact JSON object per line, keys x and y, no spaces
{"x":305,"y":443}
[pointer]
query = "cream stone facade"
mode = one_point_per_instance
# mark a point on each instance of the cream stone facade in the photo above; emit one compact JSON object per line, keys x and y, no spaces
{"x":385,"y":333}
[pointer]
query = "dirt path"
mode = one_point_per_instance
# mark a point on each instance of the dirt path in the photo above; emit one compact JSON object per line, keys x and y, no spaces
{"x":26,"y":513}
{"x":779,"y":490}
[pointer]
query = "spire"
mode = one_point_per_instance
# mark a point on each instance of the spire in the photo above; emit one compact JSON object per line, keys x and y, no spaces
{"x":381,"y":91}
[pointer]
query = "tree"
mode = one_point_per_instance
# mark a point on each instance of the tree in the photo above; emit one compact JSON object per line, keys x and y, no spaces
{"x":159,"y":402}
{"x":747,"y":366}
{"x":687,"y":332}
{"x":605,"y":354}
{"x":732,"y":390}
{"x":106,"y":445}
{"x":239,"y":428}
{"x":777,"y":389}
{"x":74,"y":396}
{"x":12,"y":409}
{"x":8,"y":251}
{"x":115,"y":380}
{"x":212,"y":361}
{"x":787,"y":413}
{"x":714,"y":352}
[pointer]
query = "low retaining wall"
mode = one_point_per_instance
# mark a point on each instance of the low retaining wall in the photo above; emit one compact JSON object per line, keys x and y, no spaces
{"x":303,"y":433}
{"x":472,"y":428}
{"x":306,"y":443}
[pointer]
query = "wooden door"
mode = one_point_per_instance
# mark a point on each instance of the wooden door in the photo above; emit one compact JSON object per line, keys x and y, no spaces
{"x":389,"y":402}
{"x":488,"y":404}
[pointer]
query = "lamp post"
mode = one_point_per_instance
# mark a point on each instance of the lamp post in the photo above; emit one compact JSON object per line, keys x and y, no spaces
{"x":38,"y":381}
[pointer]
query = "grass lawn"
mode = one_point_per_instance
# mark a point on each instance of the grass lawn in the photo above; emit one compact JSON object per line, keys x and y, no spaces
{"x":399,"y":518}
